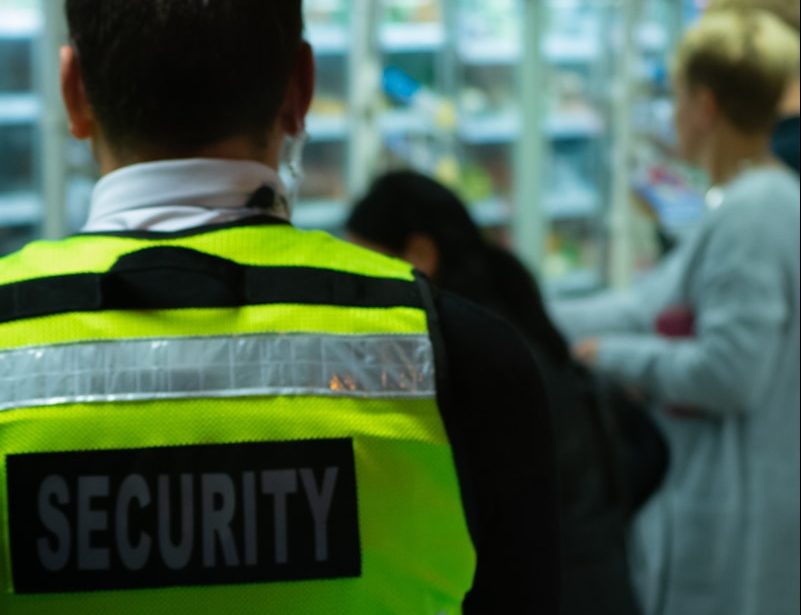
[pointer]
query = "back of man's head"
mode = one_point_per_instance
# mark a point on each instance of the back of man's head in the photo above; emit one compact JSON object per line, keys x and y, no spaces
{"x":180,"y":75}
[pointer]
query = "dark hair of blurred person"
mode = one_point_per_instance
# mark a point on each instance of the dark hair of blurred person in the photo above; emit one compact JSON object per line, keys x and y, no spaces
{"x":413,"y":217}
{"x":410,"y":216}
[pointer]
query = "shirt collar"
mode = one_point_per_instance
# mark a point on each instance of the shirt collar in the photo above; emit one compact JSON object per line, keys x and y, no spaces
{"x":178,"y":194}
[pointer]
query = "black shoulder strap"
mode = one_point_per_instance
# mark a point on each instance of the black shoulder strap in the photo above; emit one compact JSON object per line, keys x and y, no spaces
{"x":447,"y":403}
{"x":177,"y":278}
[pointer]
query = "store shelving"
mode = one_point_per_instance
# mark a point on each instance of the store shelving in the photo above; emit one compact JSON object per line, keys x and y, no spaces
{"x":490,"y":52}
{"x":21,"y":207}
{"x":332,"y":215}
{"x":399,"y":122}
{"x":413,"y":37}
{"x":505,"y":127}
{"x":22,"y":21}
{"x":322,"y":198}
{"x":577,"y":53}
{"x":562,"y":49}
{"x":19,"y":109}
{"x":571,"y":203}
{"x":576,"y":282}
{"x":487,"y":51}
{"x":326,"y":128}
{"x":502,"y":127}
{"x":328,"y":39}
{"x":492,"y":213}
{"x":324,"y":215}
{"x":510,"y":102}
{"x":666,"y":193}
{"x":574,"y":125}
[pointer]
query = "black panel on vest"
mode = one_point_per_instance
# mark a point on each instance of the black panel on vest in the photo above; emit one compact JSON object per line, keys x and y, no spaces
{"x":447,"y":405}
{"x":232,"y":514}
{"x":179,"y":278}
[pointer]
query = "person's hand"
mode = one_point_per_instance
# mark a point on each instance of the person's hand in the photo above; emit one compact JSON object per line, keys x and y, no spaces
{"x":587,"y":352}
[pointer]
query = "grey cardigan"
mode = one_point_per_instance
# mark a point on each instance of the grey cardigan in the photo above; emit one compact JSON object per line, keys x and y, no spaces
{"x":722,"y":538}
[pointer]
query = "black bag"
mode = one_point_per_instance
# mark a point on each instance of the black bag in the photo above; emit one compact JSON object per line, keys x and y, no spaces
{"x":611,"y":460}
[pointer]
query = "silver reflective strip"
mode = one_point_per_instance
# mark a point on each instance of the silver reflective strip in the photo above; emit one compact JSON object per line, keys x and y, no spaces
{"x":181,"y":368}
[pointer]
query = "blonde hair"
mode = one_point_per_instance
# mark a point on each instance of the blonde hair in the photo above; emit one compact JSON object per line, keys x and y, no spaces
{"x":747,"y":58}
{"x":788,"y":10}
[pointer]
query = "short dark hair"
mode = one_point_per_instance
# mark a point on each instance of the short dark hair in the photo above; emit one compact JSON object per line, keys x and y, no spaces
{"x":179,"y":75}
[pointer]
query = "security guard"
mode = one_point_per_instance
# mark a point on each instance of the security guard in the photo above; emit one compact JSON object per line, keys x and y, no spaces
{"x":204,"y":410}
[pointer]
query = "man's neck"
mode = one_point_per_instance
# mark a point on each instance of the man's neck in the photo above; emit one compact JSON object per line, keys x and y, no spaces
{"x":732,"y":152}
{"x":791,"y":106}
{"x":235,"y":149}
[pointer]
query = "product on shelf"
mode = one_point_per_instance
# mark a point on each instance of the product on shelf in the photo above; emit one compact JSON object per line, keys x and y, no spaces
{"x":327,"y":12}
{"x":412,"y":11}
{"x":572,"y":248}
{"x":329,"y":106}
{"x":477,"y":184}
{"x":490,"y":20}
{"x":405,"y":91}
{"x":489,"y":92}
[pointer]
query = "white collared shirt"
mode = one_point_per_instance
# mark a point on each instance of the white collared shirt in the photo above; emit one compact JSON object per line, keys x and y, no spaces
{"x":177,"y":195}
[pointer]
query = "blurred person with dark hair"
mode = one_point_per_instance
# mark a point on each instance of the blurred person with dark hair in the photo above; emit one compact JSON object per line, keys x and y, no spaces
{"x":712,"y":336}
{"x":203,"y":409}
{"x":410,"y":216}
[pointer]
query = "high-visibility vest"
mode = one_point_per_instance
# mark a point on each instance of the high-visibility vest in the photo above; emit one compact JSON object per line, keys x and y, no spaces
{"x":242,"y":420}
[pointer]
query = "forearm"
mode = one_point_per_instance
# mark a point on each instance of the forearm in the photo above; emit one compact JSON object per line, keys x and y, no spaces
{"x":710,"y":374}
{"x":601,"y":315}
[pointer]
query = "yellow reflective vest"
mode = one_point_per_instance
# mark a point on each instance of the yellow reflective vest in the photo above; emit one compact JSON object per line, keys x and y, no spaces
{"x":240,"y":420}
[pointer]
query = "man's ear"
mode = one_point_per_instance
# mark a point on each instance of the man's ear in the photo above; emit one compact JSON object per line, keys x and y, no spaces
{"x":79,"y":111}
{"x":299,"y":93}
{"x":709,"y":106}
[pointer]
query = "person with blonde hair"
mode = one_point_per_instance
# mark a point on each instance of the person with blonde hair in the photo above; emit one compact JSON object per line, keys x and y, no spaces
{"x":787,"y":134}
{"x":788,"y":10}
{"x":712,"y":338}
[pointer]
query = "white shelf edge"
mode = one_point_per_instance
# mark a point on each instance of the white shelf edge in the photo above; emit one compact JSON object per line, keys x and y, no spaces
{"x":560,"y":48}
{"x":410,"y":38}
{"x":328,"y":40}
{"x":20,"y":209}
{"x":324,"y":129}
{"x":572,"y":204}
{"x":16,"y":109}
{"x":19,"y":24}
{"x":574,"y":125}
{"x":395,"y":122}
{"x":487,"y":53}
{"x":506,"y":127}
{"x":324,"y":215}
{"x":576,"y":282}
{"x":492,"y":213}
{"x":500,"y":127}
